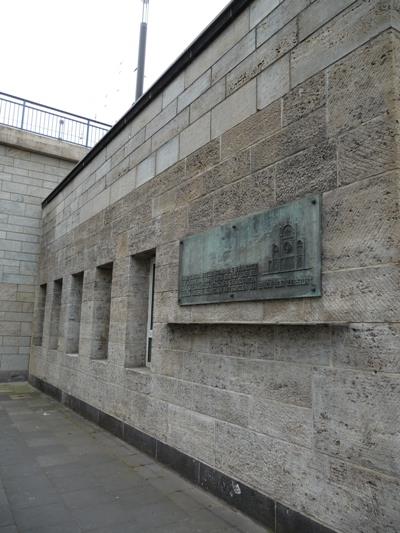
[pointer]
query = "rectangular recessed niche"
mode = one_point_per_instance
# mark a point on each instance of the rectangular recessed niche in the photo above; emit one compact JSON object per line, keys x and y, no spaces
{"x":41,"y":307}
{"x":139,"y":331}
{"x":74,"y":313}
{"x":55,"y":315}
{"x":101,"y":311}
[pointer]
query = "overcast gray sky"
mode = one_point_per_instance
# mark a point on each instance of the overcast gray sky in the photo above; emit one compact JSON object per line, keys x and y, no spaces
{"x":80,"y":55}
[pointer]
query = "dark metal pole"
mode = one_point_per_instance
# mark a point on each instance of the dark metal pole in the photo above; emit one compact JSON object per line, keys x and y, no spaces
{"x":142,"y":51}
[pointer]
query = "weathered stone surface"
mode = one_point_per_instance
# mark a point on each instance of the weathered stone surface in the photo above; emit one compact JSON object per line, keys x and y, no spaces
{"x":206,"y":369}
{"x":173,"y":391}
{"x":367,"y":347}
{"x":189,"y":191}
{"x":261,"y":8}
{"x":167,"y":362}
{"x":262,"y":124}
{"x":204,"y":158}
{"x":207,"y":100}
{"x":167,"y":114}
{"x":312,"y":170}
{"x":221,"y":405}
{"x":222,"y":44}
{"x":121,"y":187}
{"x":369,"y":211}
{"x":226,"y":172}
{"x":195,"y":136}
{"x":234,"y":56}
{"x":369,"y":150}
{"x":243,"y":454}
{"x":278,"y":18}
{"x":148,"y":414}
{"x":358,"y":295}
{"x":167,"y":278}
{"x":171,"y":129}
{"x":296,"y":137}
{"x":233,"y":109}
{"x":365,"y":429}
{"x":360,"y":87}
{"x":275,"y":48}
{"x":194,"y":91}
{"x":174,"y":89}
{"x":265,"y":379}
{"x":192,"y":433}
{"x":286,"y":383}
{"x":304,"y":99}
{"x":174,"y":225}
{"x":164,"y":203}
{"x":249,"y":341}
{"x":343,"y":481}
{"x":352,"y":28}
{"x":304,"y":344}
{"x":201,"y":214}
{"x":248,"y":195}
{"x":318,"y":14}
{"x":282,"y":421}
{"x":170,"y":177}
{"x":167,"y":155}
{"x":273,"y":82}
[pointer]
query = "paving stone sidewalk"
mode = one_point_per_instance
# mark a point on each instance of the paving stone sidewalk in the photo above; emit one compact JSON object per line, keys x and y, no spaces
{"x":60,"y":473}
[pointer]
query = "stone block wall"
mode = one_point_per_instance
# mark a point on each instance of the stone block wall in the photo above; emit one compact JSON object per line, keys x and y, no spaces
{"x":30,"y":167}
{"x":297,"y":399}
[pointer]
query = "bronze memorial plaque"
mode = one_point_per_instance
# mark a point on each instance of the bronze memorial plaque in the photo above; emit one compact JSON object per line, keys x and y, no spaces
{"x":270,"y":255}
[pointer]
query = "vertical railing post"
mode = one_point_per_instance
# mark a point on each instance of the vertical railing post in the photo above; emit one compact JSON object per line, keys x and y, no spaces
{"x":87,"y":132}
{"x":60,"y":128}
{"x":23,"y":115}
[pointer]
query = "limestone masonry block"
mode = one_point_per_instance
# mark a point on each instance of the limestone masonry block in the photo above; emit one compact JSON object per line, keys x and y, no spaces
{"x":281,"y":421}
{"x":304,"y":99}
{"x":264,"y":56}
{"x":273,"y":82}
{"x":309,"y":171}
{"x":318,"y":14}
{"x":195,"y":90}
{"x":203,"y":158}
{"x":351,"y":28}
{"x":262,"y":124}
{"x":207,"y":100}
{"x":278,"y":18}
{"x":260,"y":9}
{"x":234,"y":56}
{"x":175,"y":88}
{"x":240,"y":105}
{"x":221,"y":45}
{"x":365,"y":431}
{"x":298,"y":136}
{"x":167,"y":155}
{"x":367,"y":347}
{"x":195,"y":136}
{"x":369,"y":210}
{"x":167,"y":114}
{"x":360,"y":87}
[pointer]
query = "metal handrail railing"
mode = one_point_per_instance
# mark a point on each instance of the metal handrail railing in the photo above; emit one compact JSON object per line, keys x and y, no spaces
{"x":44,"y":120}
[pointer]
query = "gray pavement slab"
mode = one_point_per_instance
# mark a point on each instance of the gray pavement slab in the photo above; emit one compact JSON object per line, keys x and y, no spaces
{"x":62,"y":474}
